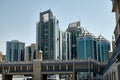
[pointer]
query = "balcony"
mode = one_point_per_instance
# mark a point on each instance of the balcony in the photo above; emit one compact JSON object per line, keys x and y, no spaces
{"x":114,"y":5}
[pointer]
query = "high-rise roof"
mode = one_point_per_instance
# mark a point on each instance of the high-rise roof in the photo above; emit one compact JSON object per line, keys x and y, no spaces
{"x":101,"y":38}
{"x":74,"y":24}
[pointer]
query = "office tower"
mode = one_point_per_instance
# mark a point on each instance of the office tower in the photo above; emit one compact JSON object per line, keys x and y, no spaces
{"x":48,"y":36}
{"x":65,"y":45}
{"x":15,"y":51}
{"x":75,"y":29}
{"x":103,"y":49}
{"x":30,"y":52}
{"x":87,"y":46}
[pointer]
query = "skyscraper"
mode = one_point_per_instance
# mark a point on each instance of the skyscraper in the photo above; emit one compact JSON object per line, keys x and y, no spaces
{"x":75,"y":29}
{"x":90,"y":47}
{"x":48,"y":36}
{"x":15,"y":51}
{"x":65,"y":45}
{"x":103,"y":49}
{"x":87,"y":46}
{"x":30,"y":52}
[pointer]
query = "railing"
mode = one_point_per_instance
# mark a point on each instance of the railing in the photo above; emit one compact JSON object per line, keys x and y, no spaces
{"x":76,"y":60}
{"x":16,"y":62}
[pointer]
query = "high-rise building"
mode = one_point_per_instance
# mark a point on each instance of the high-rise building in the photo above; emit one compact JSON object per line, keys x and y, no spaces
{"x":75,"y":29}
{"x":65,"y":45}
{"x":15,"y":51}
{"x":48,"y":36}
{"x":103,"y":49}
{"x":112,"y":70}
{"x":30,"y":52}
{"x":90,"y":47}
{"x":87,"y":46}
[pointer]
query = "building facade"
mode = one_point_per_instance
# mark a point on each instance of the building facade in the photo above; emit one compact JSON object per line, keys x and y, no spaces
{"x":103,"y":49}
{"x":65,"y":45}
{"x":1,"y":56}
{"x":112,"y":70}
{"x":90,"y":47}
{"x":4,"y":58}
{"x":15,"y":51}
{"x":87,"y":46}
{"x":48,"y":36}
{"x":30,"y":52}
{"x":75,"y":29}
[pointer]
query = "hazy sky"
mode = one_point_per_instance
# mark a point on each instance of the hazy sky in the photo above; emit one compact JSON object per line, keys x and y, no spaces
{"x":18,"y":18}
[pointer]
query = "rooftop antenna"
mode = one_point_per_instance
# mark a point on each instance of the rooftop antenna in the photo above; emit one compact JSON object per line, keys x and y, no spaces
{"x":69,"y":20}
{"x":100,"y":34}
{"x":80,"y":21}
{"x":40,"y":10}
{"x":49,"y":7}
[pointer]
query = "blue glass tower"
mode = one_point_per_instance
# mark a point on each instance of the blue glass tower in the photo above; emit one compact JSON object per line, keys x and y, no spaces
{"x":103,"y":49}
{"x":86,"y":46}
{"x":90,"y":47}
{"x":15,"y":51}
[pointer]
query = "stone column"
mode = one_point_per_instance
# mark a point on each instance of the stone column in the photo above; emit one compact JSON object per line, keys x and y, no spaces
{"x":37,"y":70}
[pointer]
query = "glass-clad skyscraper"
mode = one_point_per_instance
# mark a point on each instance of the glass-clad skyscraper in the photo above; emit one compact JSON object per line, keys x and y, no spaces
{"x":15,"y":51}
{"x":87,"y":46}
{"x":90,"y":47}
{"x":48,"y":36}
{"x":75,"y":29}
{"x":103,"y":49}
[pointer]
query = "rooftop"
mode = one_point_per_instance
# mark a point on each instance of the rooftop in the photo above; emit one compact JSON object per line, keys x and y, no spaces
{"x":74,"y":24}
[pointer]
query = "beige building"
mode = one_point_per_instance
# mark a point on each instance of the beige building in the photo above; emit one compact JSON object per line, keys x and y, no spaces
{"x":112,"y":71}
{"x":31,"y":52}
{"x":1,"y":56}
{"x":113,"y":45}
{"x":116,"y":10}
{"x":4,"y":58}
{"x":110,"y":54}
